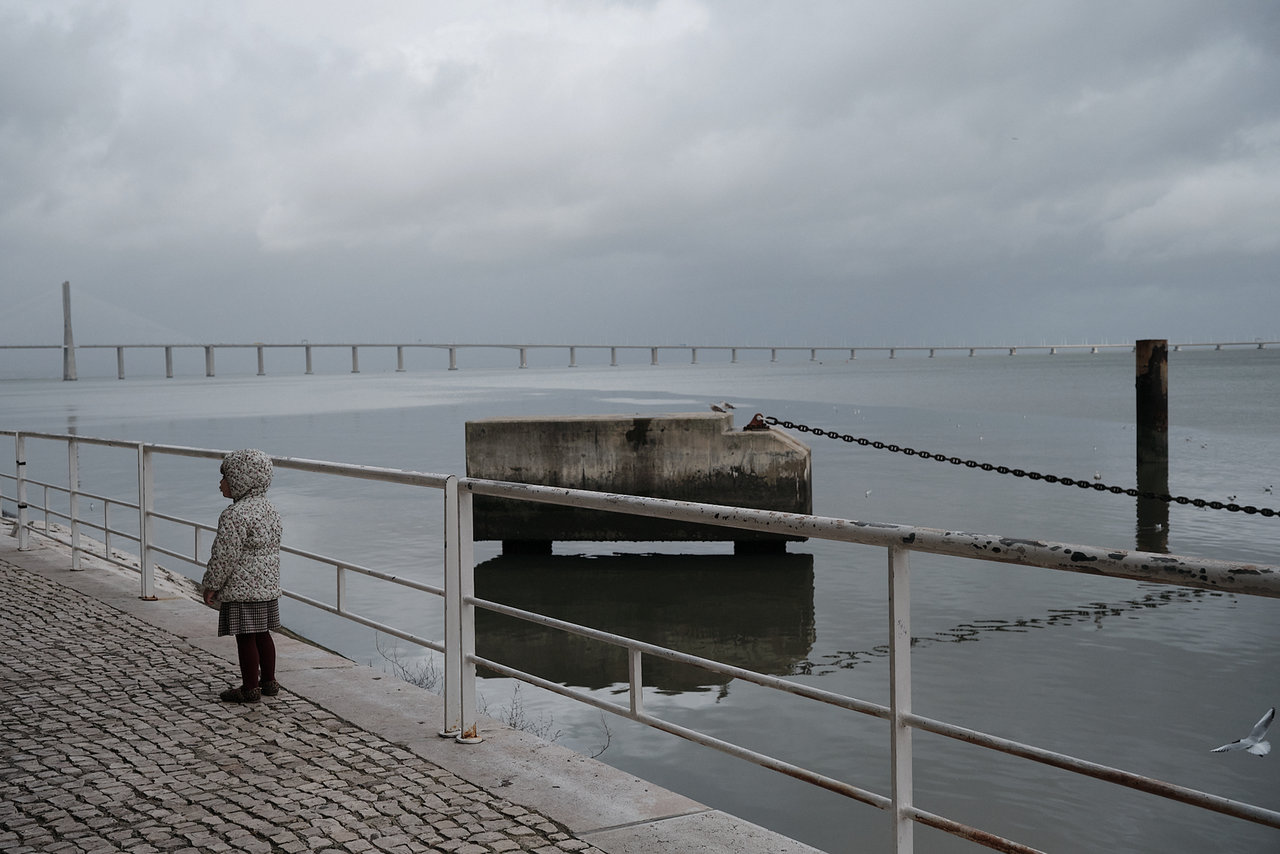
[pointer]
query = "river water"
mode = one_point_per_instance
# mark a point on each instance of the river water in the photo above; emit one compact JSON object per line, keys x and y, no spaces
{"x":1143,"y":677}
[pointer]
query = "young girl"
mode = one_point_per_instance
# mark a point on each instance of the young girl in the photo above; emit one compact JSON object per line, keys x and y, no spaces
{"x":243,"y":573}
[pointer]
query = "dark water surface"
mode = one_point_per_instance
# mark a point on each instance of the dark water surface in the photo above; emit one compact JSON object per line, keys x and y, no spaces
{"x":1144,"y":677}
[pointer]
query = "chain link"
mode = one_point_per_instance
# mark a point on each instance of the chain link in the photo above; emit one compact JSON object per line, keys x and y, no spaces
{"x":1032,"y":475}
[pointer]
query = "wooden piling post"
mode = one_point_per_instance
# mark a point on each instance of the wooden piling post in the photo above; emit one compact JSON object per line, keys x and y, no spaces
{"x":1151,"y":387}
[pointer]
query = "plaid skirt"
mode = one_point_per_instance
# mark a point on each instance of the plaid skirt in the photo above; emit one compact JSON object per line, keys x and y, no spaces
{"x":246,"y":618}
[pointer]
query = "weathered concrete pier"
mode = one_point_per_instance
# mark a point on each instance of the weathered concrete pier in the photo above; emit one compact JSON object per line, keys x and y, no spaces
{"x":684,"y":456}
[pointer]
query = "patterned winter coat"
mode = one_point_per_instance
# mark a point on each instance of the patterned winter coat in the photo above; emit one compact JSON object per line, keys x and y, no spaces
{"x":244,"y":564}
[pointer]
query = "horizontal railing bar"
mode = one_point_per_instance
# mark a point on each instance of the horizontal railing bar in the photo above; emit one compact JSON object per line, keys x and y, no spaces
{"x":738,"y":751}
{"x":165,"y":550}
{"x":364,"y":570}
{"x":49,"y":511}
{"x":1244,"y":578}
{"x":88,"y":550}
{"x":364,"y":621}
{"x":155,"y":514}
{"x":764,"y":680}
{"x":388,"y":475}
{"x":964,"y":831}
{"x":1128,"y":779}
{"x":53,"y":486}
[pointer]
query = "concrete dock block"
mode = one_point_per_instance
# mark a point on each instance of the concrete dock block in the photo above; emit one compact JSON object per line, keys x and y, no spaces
{"x":697,"y":457}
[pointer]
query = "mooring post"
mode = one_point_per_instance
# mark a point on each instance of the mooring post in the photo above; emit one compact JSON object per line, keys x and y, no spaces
{"x":1151,"y":387}
{"x":68,"y":340}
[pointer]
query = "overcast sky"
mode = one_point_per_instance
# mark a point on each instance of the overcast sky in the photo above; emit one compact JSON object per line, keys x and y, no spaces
{"x":641,"y":172}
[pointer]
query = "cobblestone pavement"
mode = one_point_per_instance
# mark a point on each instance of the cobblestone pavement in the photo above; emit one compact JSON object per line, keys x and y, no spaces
{"x":111,"y":739}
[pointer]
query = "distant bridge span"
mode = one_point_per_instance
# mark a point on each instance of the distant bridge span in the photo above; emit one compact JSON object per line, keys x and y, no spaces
{"x":847,"y":352}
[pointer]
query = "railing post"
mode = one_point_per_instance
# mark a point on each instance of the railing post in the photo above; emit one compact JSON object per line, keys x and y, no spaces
{"x":399,"y":359}
{"x":146,"y":489}
{"x":73,"y":500}
{"x":900,"y":697}
{"x":452,"y":613}
{"x":733,"y":355}
{"x":168,"y":363}
{"x":635,"y":675}
{"x":694,"y":356}
{"x":459,"y":618}
{"x":307,"y":348}
{"x":453,"y":358}
{"x":355,"y":360}
{"x":208,"y":360}
{"x":467,"y":647}
{"x":262,"y":368}
{"x":613,"y":357}
{"x":653,"y":355}
{"x":524,"y":362}
{"x":573,"y":357}
{"x":120,"y":362}
{"x":20,"y":457}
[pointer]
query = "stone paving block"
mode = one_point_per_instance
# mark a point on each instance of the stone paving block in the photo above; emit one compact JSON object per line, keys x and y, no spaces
{"x":117,"y":743}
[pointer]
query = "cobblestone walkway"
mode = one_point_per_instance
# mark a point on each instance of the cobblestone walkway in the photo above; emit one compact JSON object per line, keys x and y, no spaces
{"x":111,"y":739}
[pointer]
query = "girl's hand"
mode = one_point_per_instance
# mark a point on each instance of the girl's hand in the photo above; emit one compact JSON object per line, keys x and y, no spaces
{"x":208,"y":597}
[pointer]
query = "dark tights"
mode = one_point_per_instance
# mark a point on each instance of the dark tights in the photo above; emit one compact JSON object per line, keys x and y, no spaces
{"x":257,"y":654}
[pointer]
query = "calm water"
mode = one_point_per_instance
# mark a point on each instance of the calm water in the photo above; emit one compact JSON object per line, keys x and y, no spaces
{"x":1144,"y":677}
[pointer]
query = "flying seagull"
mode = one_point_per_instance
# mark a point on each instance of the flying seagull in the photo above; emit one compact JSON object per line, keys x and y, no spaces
{"x":1255,"y":742}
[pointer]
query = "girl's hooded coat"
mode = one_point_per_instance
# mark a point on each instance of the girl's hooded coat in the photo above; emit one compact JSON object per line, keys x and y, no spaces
{"x":244,"y":563}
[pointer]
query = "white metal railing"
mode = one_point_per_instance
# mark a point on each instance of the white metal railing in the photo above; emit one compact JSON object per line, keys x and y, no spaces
{"x":461,"y":604}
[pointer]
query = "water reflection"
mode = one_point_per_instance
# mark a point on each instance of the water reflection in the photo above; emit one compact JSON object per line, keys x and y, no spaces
{"x":1157,"y":596}
{"x":1153,"y":513}
{"x":751,"y":611}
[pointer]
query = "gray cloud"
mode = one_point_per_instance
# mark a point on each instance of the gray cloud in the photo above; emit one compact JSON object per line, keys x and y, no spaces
{"x":669,"y":171}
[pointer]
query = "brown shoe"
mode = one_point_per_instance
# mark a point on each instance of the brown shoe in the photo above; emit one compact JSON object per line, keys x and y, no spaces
{"x":241,"y":695}
{"x":270,"y":688}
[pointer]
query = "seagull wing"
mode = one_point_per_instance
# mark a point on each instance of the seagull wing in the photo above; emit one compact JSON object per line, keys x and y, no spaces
{"x":1238,"y":744}
{"x":1262,"y":748}
{"x":1259,"y":731}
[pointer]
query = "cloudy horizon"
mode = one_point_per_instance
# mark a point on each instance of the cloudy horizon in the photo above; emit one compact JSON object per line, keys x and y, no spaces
{"x":670,"y":172}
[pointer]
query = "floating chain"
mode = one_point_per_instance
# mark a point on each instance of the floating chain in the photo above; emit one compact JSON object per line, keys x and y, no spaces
{"x":1033,"y":475}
